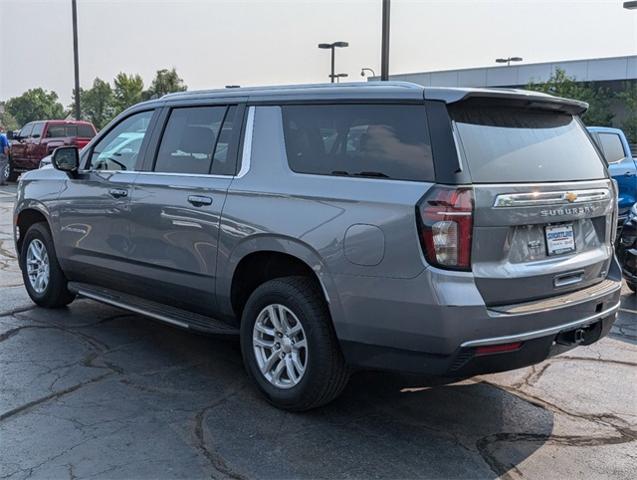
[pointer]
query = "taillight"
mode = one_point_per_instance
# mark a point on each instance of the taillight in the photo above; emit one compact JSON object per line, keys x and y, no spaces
{"x":445,"y":221}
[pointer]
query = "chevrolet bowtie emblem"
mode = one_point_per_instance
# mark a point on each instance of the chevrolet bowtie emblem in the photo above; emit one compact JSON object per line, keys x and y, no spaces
{"x":570,"y":196}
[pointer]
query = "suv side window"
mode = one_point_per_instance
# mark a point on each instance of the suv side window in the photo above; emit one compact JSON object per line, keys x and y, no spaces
{"x":119,"y":149}
{"x":189,"y":140}
{"x":37,"y":130}
{"x":384,"y":141}
{"x":612,"y":146}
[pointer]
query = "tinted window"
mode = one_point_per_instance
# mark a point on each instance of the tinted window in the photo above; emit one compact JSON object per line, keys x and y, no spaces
{"x":26,"y":130}
{"x":37,"y":130}
{"x":223,"y":162}
{"x":85,"y":131}
{"x":119,"y":149}
{"x":189,"y":140}
{"x":505,"y":144}
{"x":59,"y":130}
{"x":385,"y":141}
{"x":612,"y":147}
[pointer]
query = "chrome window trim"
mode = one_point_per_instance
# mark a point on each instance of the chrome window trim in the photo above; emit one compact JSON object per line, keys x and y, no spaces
{"x":556,"y":197}
{"x":246,"y":154}
{"x":178,"y":174}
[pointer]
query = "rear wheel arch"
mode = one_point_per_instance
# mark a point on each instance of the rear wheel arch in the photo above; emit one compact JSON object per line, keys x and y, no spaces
{"x":258,"y":267}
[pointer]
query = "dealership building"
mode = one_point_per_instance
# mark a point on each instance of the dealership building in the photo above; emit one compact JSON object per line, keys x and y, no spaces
{"x":611,"y":73}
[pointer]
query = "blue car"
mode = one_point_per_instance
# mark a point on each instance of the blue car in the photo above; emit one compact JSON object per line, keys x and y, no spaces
{"x":621,"y":165}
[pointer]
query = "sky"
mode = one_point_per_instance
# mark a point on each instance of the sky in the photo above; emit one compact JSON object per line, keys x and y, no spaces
{"x":213,"y":43}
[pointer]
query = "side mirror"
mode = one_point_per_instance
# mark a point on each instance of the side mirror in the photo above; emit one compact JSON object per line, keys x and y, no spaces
{"x":66,"y":159}
{"x":11,"y":134}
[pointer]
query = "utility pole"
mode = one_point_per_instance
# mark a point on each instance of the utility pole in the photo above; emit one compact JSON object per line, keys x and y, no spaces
{"x":384,"y":54}
{"x":76,"y":61}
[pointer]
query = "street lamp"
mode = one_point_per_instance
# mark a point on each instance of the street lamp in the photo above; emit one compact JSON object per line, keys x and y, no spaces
{"x":508,"y":60}
{"x":365,"y":69}
{"x":338,"y":77}
{"x":333,"y":47}
{"x":630,"y":5}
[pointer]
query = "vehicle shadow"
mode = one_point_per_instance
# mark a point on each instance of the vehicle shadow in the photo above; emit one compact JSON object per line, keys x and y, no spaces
{"x":190,"y":394}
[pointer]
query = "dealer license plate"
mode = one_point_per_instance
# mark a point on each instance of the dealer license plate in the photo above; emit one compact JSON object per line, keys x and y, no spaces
{"x":559,"y":239}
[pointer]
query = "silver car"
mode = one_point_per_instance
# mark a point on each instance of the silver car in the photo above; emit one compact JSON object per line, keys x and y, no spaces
{"x":383,"y":226}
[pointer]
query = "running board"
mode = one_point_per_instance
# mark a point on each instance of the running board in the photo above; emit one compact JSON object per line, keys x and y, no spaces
{"x":165,"y":313}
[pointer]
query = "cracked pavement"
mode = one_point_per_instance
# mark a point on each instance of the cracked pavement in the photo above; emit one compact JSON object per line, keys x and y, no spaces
{"x":92,"y":391}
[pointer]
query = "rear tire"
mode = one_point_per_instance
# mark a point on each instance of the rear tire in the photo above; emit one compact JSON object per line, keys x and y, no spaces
{"x":308,"y":369}
{"x":43,"y":278}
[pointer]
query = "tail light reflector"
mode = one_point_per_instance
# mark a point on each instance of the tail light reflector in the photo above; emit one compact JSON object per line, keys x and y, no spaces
{"x":505,"y":347}
{"x":445,"y":220}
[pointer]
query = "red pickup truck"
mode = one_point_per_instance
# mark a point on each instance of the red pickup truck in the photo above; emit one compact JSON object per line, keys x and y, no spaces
{"x":38,"y":139}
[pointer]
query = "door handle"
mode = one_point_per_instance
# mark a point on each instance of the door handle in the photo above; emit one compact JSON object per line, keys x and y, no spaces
{"x":118,"y":192}
{"x":629,"y":173}
{"x":199,"y":200}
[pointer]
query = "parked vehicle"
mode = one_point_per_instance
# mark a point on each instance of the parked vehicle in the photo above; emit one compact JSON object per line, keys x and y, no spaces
{"x":36,"y":140}
{"x":621,"y":164}
{"x":627,"y":249}
{"x":386,"y":226}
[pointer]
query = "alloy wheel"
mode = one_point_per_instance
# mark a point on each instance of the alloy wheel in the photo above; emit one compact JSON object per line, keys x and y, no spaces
{"x":37,"y":264}
{"x":280,"y":346}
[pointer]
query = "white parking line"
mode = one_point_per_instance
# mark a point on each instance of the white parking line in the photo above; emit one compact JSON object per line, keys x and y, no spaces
{"x":628,"y":310}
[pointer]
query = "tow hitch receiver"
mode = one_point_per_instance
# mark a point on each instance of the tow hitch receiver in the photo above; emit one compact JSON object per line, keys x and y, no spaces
{"x":580,"y":336}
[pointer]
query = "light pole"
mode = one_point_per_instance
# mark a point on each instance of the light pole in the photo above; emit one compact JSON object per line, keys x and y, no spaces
{"x":630,"y":5}
{"x":338,"y":77}
{"x":366,"y":69}
{"x":76,"y":61}
{"x":333,"y":46}
{"x":508,"y":60}
{"x":384,"y":48}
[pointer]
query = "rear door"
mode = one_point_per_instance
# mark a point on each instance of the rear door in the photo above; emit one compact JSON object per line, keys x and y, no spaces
{"x":177,"y":204}
{"x":543,"y":218}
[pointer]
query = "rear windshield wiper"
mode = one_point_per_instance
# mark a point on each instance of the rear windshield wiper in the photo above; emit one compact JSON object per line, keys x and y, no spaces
{"x":360,"y":174}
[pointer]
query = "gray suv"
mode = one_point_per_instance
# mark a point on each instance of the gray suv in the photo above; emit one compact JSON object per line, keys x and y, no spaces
{"x":384,"y":226}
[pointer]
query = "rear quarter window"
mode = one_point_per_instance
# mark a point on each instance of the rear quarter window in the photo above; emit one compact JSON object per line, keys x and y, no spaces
{"x":507,"y":144}
{"x":378,"y":141}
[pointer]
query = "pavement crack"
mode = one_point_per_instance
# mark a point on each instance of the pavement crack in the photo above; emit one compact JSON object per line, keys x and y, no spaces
{"x":216,"y":460}
{"x":53,"y":396}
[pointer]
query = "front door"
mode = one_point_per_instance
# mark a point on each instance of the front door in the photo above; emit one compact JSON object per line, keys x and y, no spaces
{"x":622,"y":168}
{"x":177,"y":204}
{"x":19,"y":154}
{"x":94,"y":206}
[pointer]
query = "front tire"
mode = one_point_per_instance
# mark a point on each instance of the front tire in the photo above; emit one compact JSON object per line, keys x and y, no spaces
{"x":289,"y":347}
{"x":43,"y":278}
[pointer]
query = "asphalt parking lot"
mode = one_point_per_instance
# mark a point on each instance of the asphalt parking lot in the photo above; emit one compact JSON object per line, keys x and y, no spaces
{"x":95,"y":392}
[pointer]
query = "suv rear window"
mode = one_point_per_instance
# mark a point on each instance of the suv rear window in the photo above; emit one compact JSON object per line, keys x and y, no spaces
{"x":60,"y":131}
{"x":383,"y":141}
{"x":507,"y":144}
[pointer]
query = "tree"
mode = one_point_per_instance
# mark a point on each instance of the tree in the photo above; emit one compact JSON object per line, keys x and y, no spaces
{"x":165,"y":81}
{"x":128,"y":91}
{"x":6,"y":119}
{"x":598,"y":98}
{"x":98,"y":103}
{"x":629,"y":97}
{"x":35,"y":104}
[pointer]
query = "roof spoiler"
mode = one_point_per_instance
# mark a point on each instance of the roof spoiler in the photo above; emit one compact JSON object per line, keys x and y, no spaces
{"x":513,"y":97}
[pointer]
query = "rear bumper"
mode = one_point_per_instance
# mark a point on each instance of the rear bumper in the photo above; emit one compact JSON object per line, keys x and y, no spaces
{"x":467,"y":361}
{"x":448,"y":340}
